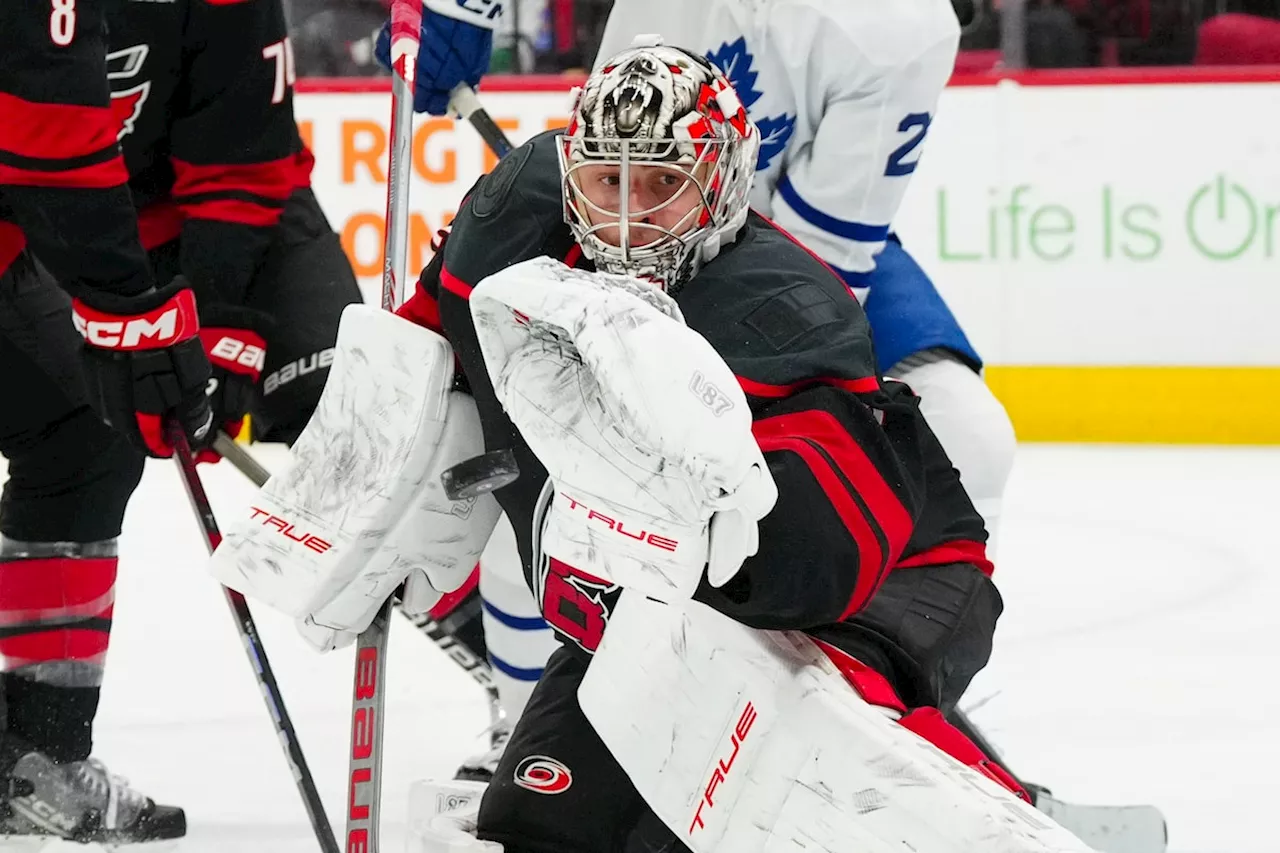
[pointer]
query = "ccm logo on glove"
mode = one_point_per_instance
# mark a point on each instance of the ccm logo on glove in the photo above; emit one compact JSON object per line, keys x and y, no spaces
{"x":309,"y":540}
{"x":616,"y":526}
{"x":173,"y":321}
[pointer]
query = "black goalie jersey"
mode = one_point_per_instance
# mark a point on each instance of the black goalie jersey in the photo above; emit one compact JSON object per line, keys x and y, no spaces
{"x":202,"y":91}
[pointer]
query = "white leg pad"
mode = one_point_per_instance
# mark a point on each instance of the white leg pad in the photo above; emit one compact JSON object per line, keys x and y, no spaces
{"x":359,"y":506}
{"x":753,"y":742}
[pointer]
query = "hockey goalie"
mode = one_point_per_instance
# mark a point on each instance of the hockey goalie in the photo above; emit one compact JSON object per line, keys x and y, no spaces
{"x":766,"y":576}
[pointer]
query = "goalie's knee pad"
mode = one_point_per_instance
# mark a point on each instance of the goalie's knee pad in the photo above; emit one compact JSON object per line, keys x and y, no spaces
{"x":762,"y":742}
{"x":928,"y":628}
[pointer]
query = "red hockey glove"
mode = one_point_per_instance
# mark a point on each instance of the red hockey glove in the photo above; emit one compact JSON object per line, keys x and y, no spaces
{"x":143,"y":363}
{"x":235,"y":340}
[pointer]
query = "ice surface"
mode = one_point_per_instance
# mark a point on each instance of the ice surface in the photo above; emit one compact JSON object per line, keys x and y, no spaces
{"x":1137,"y":660}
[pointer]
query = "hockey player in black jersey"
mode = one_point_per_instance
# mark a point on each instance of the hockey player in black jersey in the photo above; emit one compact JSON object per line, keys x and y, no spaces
{"x":66,"y":215}
{"x":199,"y":95}
{"x":873,"y":546}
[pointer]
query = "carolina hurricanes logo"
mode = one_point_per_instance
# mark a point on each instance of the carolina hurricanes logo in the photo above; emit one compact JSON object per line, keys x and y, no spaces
{"x":543,"y":775}
{"x":127,"y":104}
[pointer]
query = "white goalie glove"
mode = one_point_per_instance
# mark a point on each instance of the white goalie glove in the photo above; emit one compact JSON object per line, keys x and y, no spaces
{"x":359,"y":507}
{"x":641,"y":425}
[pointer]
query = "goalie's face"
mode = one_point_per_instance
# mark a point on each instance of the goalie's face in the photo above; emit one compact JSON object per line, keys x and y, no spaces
{"x":638,"y":206}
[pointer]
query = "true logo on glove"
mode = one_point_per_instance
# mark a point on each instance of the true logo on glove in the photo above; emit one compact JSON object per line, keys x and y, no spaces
{"x":617,"y":527}
{"x":307,"y":540}
{"x":723,"y":768}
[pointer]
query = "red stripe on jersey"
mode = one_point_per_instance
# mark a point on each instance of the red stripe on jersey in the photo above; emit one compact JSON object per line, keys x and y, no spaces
{"x":885,"y":508}
{"x":772,"y":435}
{"x":54,"y":131}
{"x":233,"y":210}
{"x":423,"y":310}
{"x":865,"y":385}
{"x":959,"y":551}
{"x":454,"y":285}
{"x":575,"y":255}
{"x":12,"y":242}
{"x":110,"y":173}
{"x":274,"y":179}
{"x":450,"y":601}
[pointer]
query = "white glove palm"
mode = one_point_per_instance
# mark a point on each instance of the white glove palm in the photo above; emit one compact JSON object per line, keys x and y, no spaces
{"x":639,"y":422}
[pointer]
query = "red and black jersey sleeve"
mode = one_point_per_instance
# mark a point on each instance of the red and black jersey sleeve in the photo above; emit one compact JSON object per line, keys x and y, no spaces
{"x":235,"y":149}
{"x":861,"y":481}
{"x":63,"y":183}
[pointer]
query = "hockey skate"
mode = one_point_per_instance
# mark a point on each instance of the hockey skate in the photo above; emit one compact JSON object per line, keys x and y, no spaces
{"x":46,"y":803}
{"x":482,"y":766}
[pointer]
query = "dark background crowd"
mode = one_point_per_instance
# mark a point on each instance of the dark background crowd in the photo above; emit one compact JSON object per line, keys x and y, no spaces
{"x":334,"y":38}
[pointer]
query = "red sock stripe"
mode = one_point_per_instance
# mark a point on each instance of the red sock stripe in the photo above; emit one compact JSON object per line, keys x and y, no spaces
{"x":54,"y":131}
{"x":960,"y":551}
{"x":58,"y":588}
{"x":274,"y":179}
{"x":36,"y":593}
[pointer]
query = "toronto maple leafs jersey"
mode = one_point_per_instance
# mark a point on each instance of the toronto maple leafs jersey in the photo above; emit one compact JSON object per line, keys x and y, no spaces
{"x":843,"y":92}
{"x":202,"y":91}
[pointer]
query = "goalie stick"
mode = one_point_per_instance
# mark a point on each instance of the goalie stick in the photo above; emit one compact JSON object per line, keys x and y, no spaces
{"x":473,"y":477}
{"x":254,"y":649}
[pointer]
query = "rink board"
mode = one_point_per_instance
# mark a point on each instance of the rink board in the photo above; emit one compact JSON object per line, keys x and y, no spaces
{"x":1110,"y":240}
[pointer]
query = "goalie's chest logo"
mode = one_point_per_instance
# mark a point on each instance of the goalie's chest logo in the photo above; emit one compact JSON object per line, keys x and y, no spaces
{"x":128,"y":93}
{"x":736,"y":61}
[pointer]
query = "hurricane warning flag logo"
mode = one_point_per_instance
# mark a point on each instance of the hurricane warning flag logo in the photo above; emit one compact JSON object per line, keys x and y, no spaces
{"x":127,"y":103}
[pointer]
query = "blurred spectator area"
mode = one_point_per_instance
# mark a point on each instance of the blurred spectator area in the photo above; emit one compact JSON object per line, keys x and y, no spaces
{"x":334,"y":38}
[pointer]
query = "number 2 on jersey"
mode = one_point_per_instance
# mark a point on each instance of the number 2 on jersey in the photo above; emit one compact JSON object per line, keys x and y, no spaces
{"x":62,"y":22}
{"x":919,"y":123}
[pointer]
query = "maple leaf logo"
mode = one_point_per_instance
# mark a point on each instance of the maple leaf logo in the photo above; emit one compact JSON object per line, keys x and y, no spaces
{"x":735,"y":60}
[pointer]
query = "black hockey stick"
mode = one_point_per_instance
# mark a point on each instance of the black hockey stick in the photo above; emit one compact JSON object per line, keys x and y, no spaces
{"x":253,"y":648}
{"x":463,"y":101}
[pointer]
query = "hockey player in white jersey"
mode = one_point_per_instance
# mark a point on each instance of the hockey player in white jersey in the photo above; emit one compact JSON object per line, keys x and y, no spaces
{"x":844,"y":93}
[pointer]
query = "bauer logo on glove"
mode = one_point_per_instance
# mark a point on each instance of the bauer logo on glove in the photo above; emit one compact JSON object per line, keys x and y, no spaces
{"x":643,"y":429}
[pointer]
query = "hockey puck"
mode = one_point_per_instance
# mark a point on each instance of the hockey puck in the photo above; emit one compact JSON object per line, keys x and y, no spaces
{"x":480,"y":474}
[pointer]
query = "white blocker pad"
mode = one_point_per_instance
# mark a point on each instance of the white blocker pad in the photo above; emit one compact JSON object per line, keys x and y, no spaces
{"x":752,"y":742}
{"x":359,"y":506}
